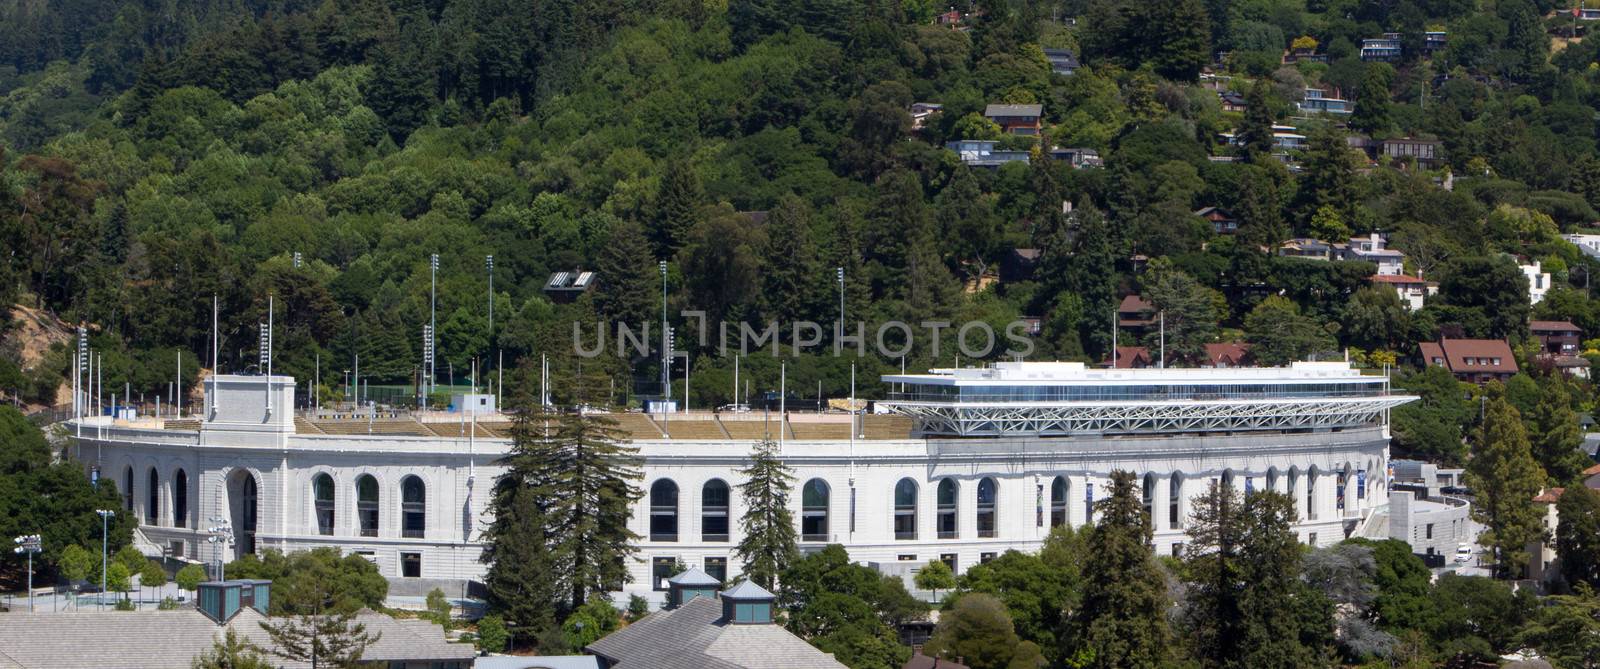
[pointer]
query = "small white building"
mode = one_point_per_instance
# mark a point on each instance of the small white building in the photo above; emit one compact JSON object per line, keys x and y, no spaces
{"x":482,"y":404}
{"x":1589,"y":244}
{"x":1538,"y":281}
{"x":1413,"y":291}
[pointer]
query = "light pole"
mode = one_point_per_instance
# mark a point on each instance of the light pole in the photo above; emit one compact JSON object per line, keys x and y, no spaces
{"x":839,"y":272}
{"x":433,"y":323}
{"x":221,"y":535}
{"x":105,"y":516}
{"x":488,"y":262}
{"x":666,"y":346}
{"x":28,"y":545}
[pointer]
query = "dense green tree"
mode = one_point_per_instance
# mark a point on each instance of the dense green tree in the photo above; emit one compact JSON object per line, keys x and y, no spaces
{"x":1473,"y":617}
{"x":323,"y":638}
{"x":769,"y":544}
{"x":935,"y":576}
{"x":231,"y":652}
{"x":978,"y":630}
{"x":1280,"y":335}
{"x":1493,"y":288}
{"x":845,"y":608}
{"x":792,"y":279}
{"x":629,"y":280}
{"x":1121,"y":620}
{"x":1329,"y":178}
{"x":1036,"y":589}
{"x":677,"y":206}
{"x":1255,"y":133}
{"x":1376,"y":319}
{"x":1505,"y":476}
{"x":1372,"y":99}
{"x":1554,"y":434}
{"x":1578,"y":535}
{"x":1432,"y":427}
{"x":316,"y":581}
{"x":1190,"y":311}
{"x":1567,"y":630}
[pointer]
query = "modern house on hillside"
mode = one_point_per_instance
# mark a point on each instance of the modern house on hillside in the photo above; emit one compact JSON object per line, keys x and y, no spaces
{"x":1413,"y":291}
{"x":1016,"y":119}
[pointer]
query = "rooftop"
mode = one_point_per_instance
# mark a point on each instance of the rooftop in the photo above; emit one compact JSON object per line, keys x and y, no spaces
{"x":1013,"y":110}
{"x":695,"y":636}
{"x":1052,"y":373}
{"x":172,"y":639}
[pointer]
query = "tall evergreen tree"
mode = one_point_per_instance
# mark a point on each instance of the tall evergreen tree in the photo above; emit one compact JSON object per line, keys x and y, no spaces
{"x":677,"y":206}
{"x":1372,"y":99}
{"x":628,"y":275}
{"x":768,"y":546}
{"x":582,"y":474}
{"x":1555,"y":434}
{"x":792,"y":279}
{"x":967,"y":224}
{"x":1177,"y":35}
{"x":1506,"y":478}
{"x":1189,"y":308}
{"x":1215,"y":569}
{"x":1289,"y":624}
{"x":1255,"y":134}
{"x":401,"y":87}
{"x":1578,"y":535}
{"x":1122,"y":620}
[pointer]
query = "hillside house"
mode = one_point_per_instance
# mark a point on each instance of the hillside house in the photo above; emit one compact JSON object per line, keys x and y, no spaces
{"x":1016,"y":119}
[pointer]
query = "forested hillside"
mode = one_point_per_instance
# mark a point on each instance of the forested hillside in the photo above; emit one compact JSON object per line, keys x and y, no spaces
{"x":159,"y":153}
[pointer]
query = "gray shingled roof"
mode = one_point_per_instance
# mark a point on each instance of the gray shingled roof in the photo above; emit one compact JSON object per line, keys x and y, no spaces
{"x":172,"y":639}
{"x":747,"y":590}
{"x":693,"y":636}
{"x":1013,"y":110}
{"x":694,"y":576}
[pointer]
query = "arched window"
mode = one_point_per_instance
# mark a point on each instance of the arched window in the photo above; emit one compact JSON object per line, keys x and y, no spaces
{"x":664,"y":510}
{"x":1227,"y":479}
{"x":1311,"y":494}
{"x":1174,"y":498}
{"x":152,"y":506}
{"x":1293,"y":486}
{"x":1058,"y":501}
{"x":367,"y":504}
{"x":946,"y":509}
{"x":714,"y":511}
{"x":180,"y":499}
{"x":413,"y":507}
{"x":814,"y":511}
{"x":245,"y":513}
{"x":905,"y":509}
{"x":127,"y":487}
{"x":988,"y":494}
{"x":1148,"y":485}
{"x":322,"y":500}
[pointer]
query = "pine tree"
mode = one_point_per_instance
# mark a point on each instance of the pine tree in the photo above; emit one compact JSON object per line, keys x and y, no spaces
{"x":1506,"y":478}
{"x":1288,"y":624}
{"x":1555,"y":434}
{"x":231,"y":652}
{"x":1578,"y":535}
{"x":1214,"y":564}
{"x":628,"y":277}
{"x":791,"y":278}
{"x":401,"y":88}
{"x":322,"y":640}
{"x":967,"y":224}
{"x":768,"y":546}
{"x":1177,"y":36}
{"x":582,"y":473}
{"x":1122,"y":620}
{"x":1329,"y":178}
{"x":1255,"y":134}
{"x":1372,"y":99}
{"x":677,"y":206}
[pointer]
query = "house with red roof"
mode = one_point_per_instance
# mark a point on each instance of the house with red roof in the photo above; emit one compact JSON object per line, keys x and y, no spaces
{"x":1471,"y":360}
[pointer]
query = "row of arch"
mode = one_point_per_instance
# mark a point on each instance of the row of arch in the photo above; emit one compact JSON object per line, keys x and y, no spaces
{"x":413,"y":505}
{"x":152,"y":506}
{"x":815,"y":496}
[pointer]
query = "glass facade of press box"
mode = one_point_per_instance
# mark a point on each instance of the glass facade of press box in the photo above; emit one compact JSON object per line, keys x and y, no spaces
{"x":1122,"y":393}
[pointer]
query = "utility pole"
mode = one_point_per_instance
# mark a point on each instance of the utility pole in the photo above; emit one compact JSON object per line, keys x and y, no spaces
{"x":488,"y":261}
{"x":666,"y":343}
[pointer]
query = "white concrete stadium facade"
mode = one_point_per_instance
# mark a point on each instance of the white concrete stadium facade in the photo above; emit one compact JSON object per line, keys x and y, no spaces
{"x":415,"y":505}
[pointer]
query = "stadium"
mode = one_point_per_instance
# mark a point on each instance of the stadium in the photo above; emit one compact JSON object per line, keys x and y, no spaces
{"x":956,"y":464}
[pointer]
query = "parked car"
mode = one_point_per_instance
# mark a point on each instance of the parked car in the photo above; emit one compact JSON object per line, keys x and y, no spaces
{"x":1463,"y":553}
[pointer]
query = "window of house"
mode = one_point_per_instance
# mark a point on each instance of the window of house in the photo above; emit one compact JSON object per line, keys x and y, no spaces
{"x":814,"y":511}
{"x":949,"y":560}
{"x":717,"y":568}
{"x":988,"y":497}
{"x":367,"y":504}
{"x":714,"y":511}
{"x":664,"y":511}
{"x":947,"y":509}
{"x":411,"y":565}
{"x":1177,"y":549}
{"x":413,"y":508}
{"x":984,"y":558}
{"x":906,"y":558}
{"x":322,"y":494}
{"x":1430,"y":530}
{"x":905,"y":509}
{"x":661,"y":570}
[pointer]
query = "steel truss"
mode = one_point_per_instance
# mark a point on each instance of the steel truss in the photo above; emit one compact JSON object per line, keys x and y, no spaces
{"x":1065,"y":418}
